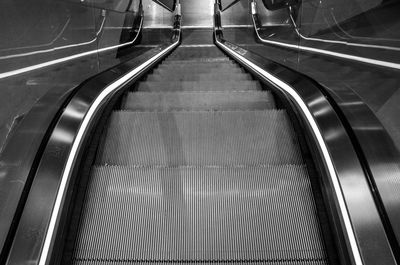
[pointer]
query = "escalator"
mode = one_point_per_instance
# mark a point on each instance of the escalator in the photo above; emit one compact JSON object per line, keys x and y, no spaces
{"x":199,"y":164}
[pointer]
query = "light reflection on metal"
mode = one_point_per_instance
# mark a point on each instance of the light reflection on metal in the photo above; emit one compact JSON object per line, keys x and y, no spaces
{"x":322,"y":146}
{"x":320,"y":51}
{"x":77,"y":142}
{"x":42,"y":45}
{"x":69,"y":58}
{"x":63,"y":136}
{"x":56,"y":48}
{"x":337,"y":41}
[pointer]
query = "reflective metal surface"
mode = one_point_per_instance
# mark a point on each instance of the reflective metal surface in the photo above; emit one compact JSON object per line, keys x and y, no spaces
{"x":62,"y":45}
{"x":352,"y":50}
{"x":197,"y":13}
{"x":366,"y":225}
{"x":37,"y":230}
{"x":41,"y":37}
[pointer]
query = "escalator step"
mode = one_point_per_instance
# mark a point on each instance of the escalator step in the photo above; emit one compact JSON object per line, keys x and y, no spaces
{"x":199,"y":77}
{"x":206,"y":65}
{"x":208,"y":101}
{"x":199,"y":138}
{"x":198,"y":214}
{"x":184,"y":71}
{"x":198,"y":60}
{"x":220,"y":85}
{"x":209,"y":63}
{"x":194,"y":53}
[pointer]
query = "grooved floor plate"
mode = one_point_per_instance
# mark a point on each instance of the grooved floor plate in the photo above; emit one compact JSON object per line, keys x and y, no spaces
{"x":209,"y":101}
{"x":200,"y":138}
{"x":200,"y":214}
{"x":218,"y":85}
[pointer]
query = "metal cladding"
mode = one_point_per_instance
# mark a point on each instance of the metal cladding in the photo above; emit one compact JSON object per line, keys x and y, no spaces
{"x":198,"y":171}
{"x":199,"y":101}
{"x":220,"y":85}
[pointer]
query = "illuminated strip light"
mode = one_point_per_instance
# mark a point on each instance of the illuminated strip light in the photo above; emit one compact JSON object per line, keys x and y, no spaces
{"x":330,"y":53}
{"x":237,"y":26}
{"x":296,"y":97}
{"x":68,"y":58}
{"x":197,"y":27}
{"x":77,"y":143}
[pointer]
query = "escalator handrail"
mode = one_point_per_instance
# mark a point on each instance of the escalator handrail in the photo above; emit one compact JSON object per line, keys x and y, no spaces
{"x":380,"y":160}
{"x":361,"y":229}
{"x":59,"y":160}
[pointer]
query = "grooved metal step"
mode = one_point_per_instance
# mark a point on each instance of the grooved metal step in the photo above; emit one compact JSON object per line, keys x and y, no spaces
{"x":197,"y":214}
{"x":198,"y":60}
{"x":204,"y":65}
{"x":209,"y":101}
{"x":184,"y":71}
{"x":199,"y":168}
{"x":210,"y":62}
{"x":199,"y":77}
{"x":218,"y":85}
{"x":196,"y":52}
{"x":200,"y":138}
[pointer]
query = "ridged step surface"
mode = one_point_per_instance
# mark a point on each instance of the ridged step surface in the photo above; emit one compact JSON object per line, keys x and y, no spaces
{"x":199,"y":167}
{"x":201,"y":52}
{"x":200,"y":138}
{"x":199,"y":77}
{"x":200,"y":65}
{"x":193,"y":70}
{"x":191,"y":214}
{"x":197,"y":60}
{"x":207,"y":101}
{"x":218,"y":85}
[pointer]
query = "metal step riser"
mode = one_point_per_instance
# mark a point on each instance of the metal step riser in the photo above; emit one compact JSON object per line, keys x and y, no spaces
{"x":199,"y":77}
{"x":199,"y":86}
{"x":183,"y":71}
{"x":198,"y":101}
{"x":200,"y":138}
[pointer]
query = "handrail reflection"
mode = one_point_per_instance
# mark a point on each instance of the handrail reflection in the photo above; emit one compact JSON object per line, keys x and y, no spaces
{"x":321,"y":51}
{"x":69,"y":58}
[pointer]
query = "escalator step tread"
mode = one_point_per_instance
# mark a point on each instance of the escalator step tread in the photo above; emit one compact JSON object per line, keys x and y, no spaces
{"x":197,"y":60}
{"x":199,"y":65}
{"x":199,"y":77}
{"x":170,"y":71}
{"x":200,"y":138}
{"x":166,"y":101}
{"x":208,"y":62}
{"x":265,"y":214}
{"x":219,"y":85}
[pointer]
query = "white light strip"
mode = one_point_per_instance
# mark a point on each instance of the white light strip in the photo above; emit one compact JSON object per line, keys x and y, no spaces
{"x":237,"y":26}
{"x":330,"y":53}
{"x":197,"y":27}
{"x":64,"y":59}
{"x":77,"y":143}
{"x":336,"y":185}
